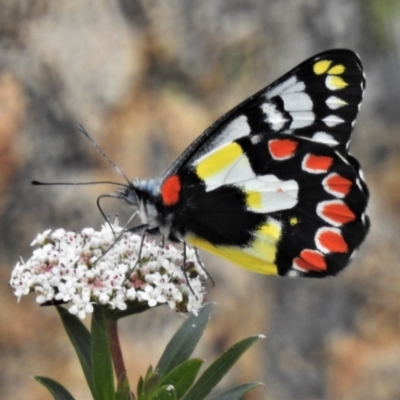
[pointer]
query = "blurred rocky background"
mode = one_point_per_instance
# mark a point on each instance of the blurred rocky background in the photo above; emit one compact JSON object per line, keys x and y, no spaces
{"x":145,"y":77}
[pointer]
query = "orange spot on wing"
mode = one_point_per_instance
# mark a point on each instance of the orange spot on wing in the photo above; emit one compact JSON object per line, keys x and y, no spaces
{"x":332,"y":241}
{"x":339,"y":184}
{"x":282,"y":148}
{"x":311,"y":260}
{"x":338,"y":212}
{"x":317,"y":163}
{"x":170,"y":190}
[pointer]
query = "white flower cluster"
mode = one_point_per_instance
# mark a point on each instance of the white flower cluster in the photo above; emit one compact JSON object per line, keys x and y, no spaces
{"x":92,"y":268}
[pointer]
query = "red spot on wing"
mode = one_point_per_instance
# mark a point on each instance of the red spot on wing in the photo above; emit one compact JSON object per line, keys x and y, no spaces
{"x":317,"y":164}
{"x":170,"y":190}
{"x":337,"y":212}
{"x":282,"y":149}
{"x":311,"y":260}
{"x":338,"y":185}
{"x":330,"y":240}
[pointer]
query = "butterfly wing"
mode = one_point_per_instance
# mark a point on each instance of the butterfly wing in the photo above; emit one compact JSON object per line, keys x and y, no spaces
{"x":319,"y":99}
{"x":275,"y":204}
{"x":270,"y":185}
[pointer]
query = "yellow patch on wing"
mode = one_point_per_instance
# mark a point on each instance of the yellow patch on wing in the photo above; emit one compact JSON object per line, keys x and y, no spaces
{"x":321,"y":67}
{"x":293,"y":221}
{"x":337,"y":69}
{"x":259,"y":257}
{"x":271,"y":230}
{"x":218,"y":160}
{"x":334,"y":82}
{"x":254,"y":200}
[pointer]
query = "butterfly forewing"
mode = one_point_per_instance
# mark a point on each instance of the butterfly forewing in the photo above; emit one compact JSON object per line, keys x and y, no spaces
{"x":318,"y":99}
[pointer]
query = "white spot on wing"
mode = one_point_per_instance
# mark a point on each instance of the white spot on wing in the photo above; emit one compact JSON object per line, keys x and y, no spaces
{"x":332,"y":120}
{"x":273,"y":116}
{"x":297,"y":101}
{"x":276,"y":195}
{"x":334,"y":102}
{"x":281,"y":88}
{"x":302,"y":119}
{"x":326,"y":138}
{"x":298,"y":87}
{"x":236,"y":129}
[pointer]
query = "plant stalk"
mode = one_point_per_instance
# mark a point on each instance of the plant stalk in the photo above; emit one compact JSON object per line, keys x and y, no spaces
{"x":116,"y":352}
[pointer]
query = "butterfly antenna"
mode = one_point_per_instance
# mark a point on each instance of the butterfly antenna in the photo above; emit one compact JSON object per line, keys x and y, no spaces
{"x":97,"y":147}
{"x":39,"y":183}
{"x":103,"y":213}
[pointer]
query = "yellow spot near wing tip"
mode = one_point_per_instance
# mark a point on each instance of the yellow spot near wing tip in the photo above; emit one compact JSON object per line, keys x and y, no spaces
{"x":218,"y":160}
{"x":337,"y":70}
{"x":320,"y":67}
{"x":293,"y":221}
{"x":335,"y":82}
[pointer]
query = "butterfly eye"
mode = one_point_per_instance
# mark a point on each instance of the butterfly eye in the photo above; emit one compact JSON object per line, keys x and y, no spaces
{"x":129,"y":194}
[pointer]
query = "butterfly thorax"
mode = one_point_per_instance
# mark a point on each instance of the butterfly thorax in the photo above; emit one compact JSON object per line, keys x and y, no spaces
{"x":146,"y":196}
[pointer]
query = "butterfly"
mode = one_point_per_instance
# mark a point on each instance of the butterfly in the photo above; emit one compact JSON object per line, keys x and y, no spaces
{"x":271,"y":185}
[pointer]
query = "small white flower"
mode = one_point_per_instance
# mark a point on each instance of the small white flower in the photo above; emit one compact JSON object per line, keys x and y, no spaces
{"x":91,"y":268}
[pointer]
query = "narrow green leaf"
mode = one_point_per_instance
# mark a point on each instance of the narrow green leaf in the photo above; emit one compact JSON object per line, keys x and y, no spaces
{"x":182,"y":376}
{"x":151,"y":383}
{"x":236,"y":392}
{"x":182,"y":344}
{"x":103,"y":376}
{"x":164,"y":393}
{"x":80,"y":339}
{"x":216,"y":371}
{"x":57,"y":390}
{"x":124,"y":392}
{"x":140,"y":384}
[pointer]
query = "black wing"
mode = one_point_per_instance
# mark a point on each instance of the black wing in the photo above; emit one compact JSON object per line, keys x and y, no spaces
{"x":319,"y":100}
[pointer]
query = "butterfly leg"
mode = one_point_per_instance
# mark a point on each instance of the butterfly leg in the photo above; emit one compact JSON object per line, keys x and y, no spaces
{"x":162,"y":244}
{"x":198,"y":259}
{"x":145,"y":230}
{"x":184,"y":268}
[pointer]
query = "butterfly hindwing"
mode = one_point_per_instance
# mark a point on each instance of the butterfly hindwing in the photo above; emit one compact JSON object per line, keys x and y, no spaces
{"x":275,"y":204}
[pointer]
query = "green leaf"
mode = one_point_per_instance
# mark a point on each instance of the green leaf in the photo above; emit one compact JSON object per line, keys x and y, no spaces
{"x":166,"y":392}
{"x":151,"y":383}
{"x":124,"y":392}
{"x":57,"y":390}
{"x":182,"y":376}
{"x":103,"y":376}
{"x":236,"y":392}
{"x":182,"y":344}
{"x":140,"y":384}
{"x":216,"y":371}
{"x":80,"y":339}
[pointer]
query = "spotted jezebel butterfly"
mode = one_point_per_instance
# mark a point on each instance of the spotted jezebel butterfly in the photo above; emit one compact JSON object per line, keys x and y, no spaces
{"x":271,"y":185}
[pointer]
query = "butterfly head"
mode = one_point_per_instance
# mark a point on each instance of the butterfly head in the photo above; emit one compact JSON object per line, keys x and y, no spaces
{"x":143,"y":194}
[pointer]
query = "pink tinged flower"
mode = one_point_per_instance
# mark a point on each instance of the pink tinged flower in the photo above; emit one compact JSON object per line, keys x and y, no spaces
{"x":89,"y":268}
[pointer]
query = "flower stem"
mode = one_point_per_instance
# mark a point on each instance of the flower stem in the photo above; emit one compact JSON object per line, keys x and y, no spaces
{"x":116,"y":353}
